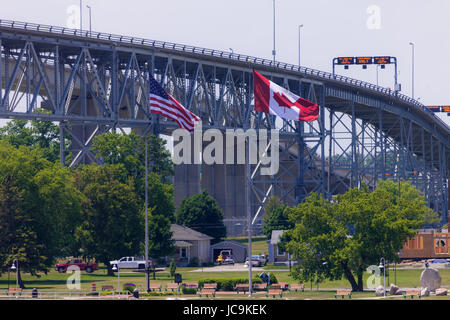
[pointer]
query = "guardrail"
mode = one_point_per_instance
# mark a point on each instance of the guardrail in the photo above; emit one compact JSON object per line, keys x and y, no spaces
{"x":215,"y":53}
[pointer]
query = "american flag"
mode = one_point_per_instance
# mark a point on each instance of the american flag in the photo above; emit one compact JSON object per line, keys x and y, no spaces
{"x":164,"y":104}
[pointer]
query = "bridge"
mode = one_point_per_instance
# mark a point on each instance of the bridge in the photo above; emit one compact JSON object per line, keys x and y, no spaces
{"x":94,"y":82}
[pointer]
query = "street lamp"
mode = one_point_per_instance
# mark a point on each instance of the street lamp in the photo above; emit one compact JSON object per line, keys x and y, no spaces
{"x":81,"y":17}
{"x":90,"y":20}
{"x":15,"y":267}
{"x":114,"y":269}
{"x":382,"y":265}
{"x":274,"y":51}
{"x":412,"y":48}
{"x":299,"y":47}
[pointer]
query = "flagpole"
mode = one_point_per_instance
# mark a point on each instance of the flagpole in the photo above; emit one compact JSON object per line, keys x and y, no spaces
{"x":249,"y":221}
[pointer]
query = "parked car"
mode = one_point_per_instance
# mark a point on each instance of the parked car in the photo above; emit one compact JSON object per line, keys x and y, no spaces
{"x":87,"y":266}
{"x":257,"y":261}
{"x":225,"y":257}
{"x":130,"y":263}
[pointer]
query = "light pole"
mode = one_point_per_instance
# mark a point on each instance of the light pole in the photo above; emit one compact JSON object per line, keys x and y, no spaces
{"x":81,"y":17}
{"x":15,"y":267}
{"x":116,"y":268}
{"x":299,"y":46}
{"x":147,"y":270}
{"x":274,"y":51}
{"x":249,"y":220}
{"x":412,"y":48}
{"x":382,"y":265}
{"x":90,"y":20}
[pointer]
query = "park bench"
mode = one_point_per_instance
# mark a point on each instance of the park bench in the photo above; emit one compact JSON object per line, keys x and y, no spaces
{"x":210,"y":286}
{"x":260,"y":286}
{"x":343,"y":293}
{"x":411,"y":293}
{"x":172,"y":286}
{"x":242,"y":287}
{"x":297,"y":286}
{"x":277,"y":286}
{"x":155,"y":287}
{"x":107,"y":288}
{"x":274,"y":292}
{"x":207,"y":292}
{"x":13,"y":290}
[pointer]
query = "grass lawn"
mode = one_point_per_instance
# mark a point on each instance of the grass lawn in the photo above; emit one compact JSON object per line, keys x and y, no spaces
{"x":55,"y":281}
{"x":259,"y":244}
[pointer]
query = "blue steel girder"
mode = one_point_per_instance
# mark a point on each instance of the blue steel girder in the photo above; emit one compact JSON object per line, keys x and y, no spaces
{"x":96,"y":82}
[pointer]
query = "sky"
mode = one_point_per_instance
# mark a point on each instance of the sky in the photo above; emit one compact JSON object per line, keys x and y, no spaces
{"x":331,"y":28}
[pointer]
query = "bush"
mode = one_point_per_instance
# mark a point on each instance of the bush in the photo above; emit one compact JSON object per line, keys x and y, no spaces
{"x":194,"y":262}
{"x":185,"y":290}
{"x":227,"y":284}
{"x":129,"y":287}
{"x":172,"y":268}
{"x":157,"y":293}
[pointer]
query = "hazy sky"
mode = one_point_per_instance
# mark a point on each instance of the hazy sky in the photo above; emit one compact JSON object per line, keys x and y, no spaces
{"x":331,"y":28}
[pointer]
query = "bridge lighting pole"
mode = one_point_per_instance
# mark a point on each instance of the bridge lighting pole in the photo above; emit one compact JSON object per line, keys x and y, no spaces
{"x":274,"y":51}
{"x":147,"y":276}
{"x":412,"y":49}
{"x":90,"y":20}
{"x":81,"y":16}
{"x":299,"y":46}
{"x":249,"y":220}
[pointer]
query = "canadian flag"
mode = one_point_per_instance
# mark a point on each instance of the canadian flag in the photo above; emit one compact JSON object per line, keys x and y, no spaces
{"x":273,"y":99}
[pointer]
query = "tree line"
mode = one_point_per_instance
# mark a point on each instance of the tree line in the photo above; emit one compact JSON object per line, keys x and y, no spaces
{"x":48,"y":210}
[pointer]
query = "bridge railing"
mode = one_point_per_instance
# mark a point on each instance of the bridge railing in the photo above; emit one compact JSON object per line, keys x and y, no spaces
{"x":216,"y":53}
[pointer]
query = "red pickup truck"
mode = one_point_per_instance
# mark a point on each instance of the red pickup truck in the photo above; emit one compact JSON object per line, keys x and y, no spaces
{"x":88,"y":266}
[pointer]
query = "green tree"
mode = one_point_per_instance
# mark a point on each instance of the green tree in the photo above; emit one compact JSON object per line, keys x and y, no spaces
{"x":160,"y":236}
{"x":129,"y":150}
{"x":38,"y":134}
{"x":276,"y":217}
{"x":39,"y":209}
{"x":202,"y":213}
{"x":344,"y":238}
{"x":112,"y":220}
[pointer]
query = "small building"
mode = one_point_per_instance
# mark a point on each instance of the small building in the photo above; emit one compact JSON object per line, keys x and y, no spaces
{"x":277,"y":255}
{"x":237,"y":249}
{"x":190,"y":244}
{"x":427,"y":244}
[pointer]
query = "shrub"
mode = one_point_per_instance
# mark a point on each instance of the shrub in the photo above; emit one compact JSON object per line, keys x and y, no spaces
{"x":185,"y":290}
{"x":194,"y":262}
{"x":129,"y":287}
{"x":172,"y":268}
{"x":227,"y":284}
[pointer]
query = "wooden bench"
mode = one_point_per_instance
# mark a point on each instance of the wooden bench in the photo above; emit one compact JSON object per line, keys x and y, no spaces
{"x":13,"y":290}
{"x":343,"y":293}
{"x":172,"y":286}
{"x":242,"y":287}
{"x":107,"y":288}
{"x":277,"y":286}
{"x":297,"y":286}
{"x":274,"y":292}
{"x":155,"y":287}
{"x":208,"y":292}
{"x":411,"y":293}
{"x":260,"y":286}
{"x":210,"y":286}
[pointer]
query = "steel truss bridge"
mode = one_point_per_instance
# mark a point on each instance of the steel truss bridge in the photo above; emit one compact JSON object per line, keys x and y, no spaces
{"x":94,"y":82}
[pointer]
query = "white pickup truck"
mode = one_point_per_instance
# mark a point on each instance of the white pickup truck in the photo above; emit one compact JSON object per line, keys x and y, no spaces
{"x":130,"y":263}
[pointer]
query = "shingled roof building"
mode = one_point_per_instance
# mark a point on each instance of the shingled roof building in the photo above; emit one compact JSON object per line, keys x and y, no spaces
{"x":190,"y":244}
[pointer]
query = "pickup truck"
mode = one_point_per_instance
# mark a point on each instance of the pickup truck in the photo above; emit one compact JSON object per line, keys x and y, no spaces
{"x":130,"y":263}
{"x":88,"y":266}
